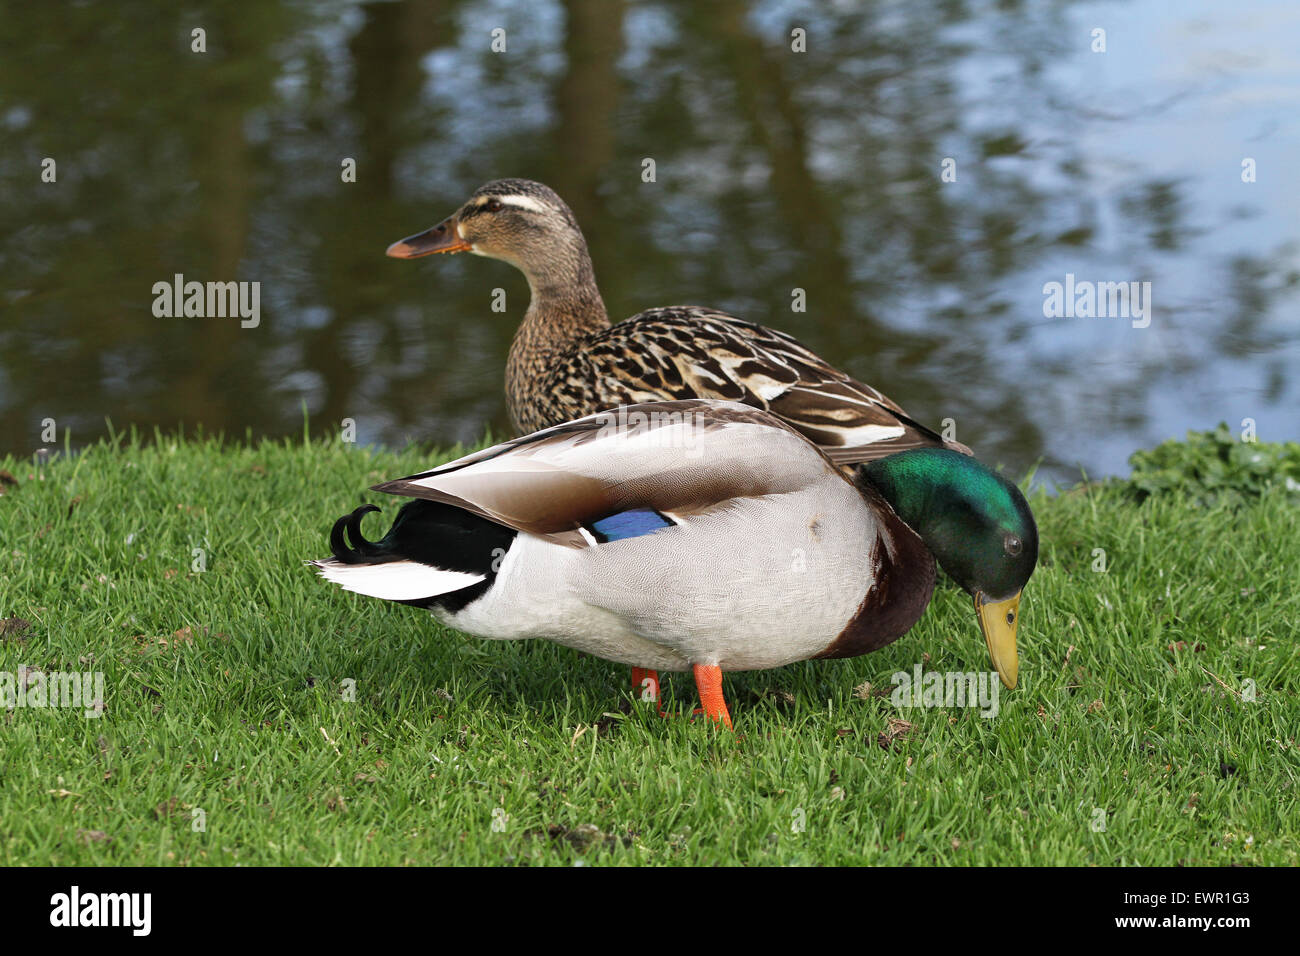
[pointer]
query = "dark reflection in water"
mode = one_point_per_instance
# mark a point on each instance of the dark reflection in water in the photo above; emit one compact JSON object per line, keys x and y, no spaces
{"x":775,"y":170}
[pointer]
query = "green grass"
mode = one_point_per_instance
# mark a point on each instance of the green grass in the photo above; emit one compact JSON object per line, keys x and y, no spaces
{"x":241,"y":716}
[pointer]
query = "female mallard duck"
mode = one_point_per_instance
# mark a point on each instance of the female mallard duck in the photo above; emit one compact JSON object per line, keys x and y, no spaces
{"x":696,"y":535}
{"x":567,"y":361}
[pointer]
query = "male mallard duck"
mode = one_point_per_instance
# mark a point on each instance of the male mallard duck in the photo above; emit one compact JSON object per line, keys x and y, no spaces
{"x":567,"y":361}
{"x":695,"y":535}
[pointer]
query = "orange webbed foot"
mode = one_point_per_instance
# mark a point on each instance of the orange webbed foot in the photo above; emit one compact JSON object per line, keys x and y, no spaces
{"x":645,"y":687}
{"x":708,"y":680}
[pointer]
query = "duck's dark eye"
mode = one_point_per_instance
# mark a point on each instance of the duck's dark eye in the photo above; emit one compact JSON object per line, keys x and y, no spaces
{"x":493,"y":205}
{"x":1012,"y":545}
{"x":1011,"y":618}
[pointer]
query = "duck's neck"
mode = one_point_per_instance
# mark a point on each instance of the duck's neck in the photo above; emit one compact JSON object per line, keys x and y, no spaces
{"x":565,"y":308}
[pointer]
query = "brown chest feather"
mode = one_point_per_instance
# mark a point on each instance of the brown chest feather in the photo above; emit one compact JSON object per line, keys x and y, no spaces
{"x":904,"y":583}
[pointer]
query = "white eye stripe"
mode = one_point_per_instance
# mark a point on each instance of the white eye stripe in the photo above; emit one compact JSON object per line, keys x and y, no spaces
{"x":519,"y":202}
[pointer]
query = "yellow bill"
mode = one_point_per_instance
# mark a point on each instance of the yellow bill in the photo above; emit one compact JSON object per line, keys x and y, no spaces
{"x":998,"y":620}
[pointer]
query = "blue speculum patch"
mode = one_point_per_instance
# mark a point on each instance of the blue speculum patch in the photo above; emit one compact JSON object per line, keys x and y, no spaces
{"x":629,"y":524}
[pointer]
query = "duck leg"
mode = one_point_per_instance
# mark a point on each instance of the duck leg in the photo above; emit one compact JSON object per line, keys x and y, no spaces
{"x":645,"y":684}
{"x":708,"y":680}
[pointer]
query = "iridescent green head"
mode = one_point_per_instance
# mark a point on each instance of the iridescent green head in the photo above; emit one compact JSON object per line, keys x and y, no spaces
{"x":977,"y":525}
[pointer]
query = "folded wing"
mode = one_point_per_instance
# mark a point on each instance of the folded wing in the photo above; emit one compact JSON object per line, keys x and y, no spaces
{"x":674,"y":458}
{"x":691,"y":350}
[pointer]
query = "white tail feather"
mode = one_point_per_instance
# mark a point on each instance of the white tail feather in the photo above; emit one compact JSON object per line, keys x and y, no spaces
{"x":395,"y":580}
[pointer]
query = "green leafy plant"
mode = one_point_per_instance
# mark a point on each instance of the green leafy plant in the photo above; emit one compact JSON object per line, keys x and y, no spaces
{"x":1216,"y":467}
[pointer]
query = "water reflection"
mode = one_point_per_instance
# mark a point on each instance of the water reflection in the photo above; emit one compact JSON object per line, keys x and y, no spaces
{"x":775,"y":170}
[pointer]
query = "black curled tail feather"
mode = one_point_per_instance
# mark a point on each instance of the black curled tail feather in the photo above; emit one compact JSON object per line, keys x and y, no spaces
{"x":360,"y":551}
{"x":428,"y":532}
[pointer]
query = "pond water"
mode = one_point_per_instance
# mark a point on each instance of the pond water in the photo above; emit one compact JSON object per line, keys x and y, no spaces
{"x":1162,"y":149}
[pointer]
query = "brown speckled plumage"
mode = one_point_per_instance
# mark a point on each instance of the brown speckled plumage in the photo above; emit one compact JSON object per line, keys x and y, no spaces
{"x":567,"y":361}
